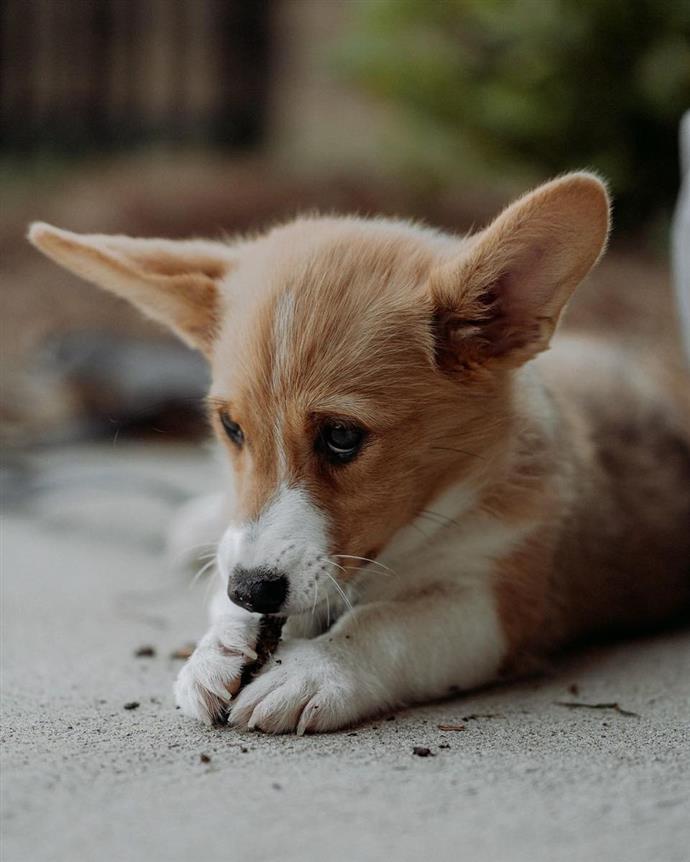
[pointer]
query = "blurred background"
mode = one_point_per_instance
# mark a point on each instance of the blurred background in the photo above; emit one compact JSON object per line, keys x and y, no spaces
{"x":203,"y":117}
{"x":210,"y":117}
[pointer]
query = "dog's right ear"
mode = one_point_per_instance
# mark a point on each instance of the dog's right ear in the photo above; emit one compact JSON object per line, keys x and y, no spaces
{"x":499,"y":301}
{"x":174,"y":282}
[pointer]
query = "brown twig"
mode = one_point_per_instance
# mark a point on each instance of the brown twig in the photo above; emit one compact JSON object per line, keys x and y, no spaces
{"x":270,"y":631}
{"x":616,"y":707}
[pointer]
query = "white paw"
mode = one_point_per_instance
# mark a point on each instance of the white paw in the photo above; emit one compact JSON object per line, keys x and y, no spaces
{"x":211,"y":676}
{"x":307,"y":688}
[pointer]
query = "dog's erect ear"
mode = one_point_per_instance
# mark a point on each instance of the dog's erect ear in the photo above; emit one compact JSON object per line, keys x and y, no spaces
{"x":501,"y":298}
{"x":174,"y":282}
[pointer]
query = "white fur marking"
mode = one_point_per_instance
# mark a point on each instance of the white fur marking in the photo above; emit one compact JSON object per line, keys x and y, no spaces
{"x":290,"y":535}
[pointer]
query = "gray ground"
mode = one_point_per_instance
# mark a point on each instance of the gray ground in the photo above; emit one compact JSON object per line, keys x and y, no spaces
{"x":86,"y":583}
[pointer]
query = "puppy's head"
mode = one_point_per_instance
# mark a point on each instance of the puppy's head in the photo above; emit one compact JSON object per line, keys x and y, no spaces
{"x":359,"y":367}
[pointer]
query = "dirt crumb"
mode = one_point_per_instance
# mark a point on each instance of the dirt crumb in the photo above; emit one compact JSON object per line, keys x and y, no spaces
{"x":422,"y":751}
{"x":477,"y":715}
{"x":132,"y":704}
{"x":183,"y":652}
{"x":146,"y":651}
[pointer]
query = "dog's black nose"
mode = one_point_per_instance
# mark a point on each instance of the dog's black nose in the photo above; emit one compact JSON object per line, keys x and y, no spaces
{"x":260,"y":590}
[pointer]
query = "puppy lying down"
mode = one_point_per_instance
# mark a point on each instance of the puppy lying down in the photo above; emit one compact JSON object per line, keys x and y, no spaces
{"x":429,"y":498}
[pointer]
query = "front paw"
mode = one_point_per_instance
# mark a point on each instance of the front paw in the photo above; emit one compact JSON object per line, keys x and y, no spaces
{"x":212,"y":674}
{"x":307,"y":689}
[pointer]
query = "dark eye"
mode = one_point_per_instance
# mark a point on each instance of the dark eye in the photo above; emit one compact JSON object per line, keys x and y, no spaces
{"x":232,"y":429}
{"x":341,"y":441}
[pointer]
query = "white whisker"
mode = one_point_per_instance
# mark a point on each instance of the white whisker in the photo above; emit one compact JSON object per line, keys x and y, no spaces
{"x":202,"y":546}
{"x":333,"y":563}
{"x":316,"y":593}
{"x":201,"y":571}
{"x":365,"y":560}
{"x":340,"y":590}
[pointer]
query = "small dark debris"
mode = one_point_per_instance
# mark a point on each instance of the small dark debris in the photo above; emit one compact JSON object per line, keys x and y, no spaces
{"x":278,"y":661}
{"x":244,"y":749}
{"x":422,"y":751}
{"x":145,"y":652}
{"x":268,"y":638}
{"x":444,"y":745}
{"x":477,"y":715}
{"x":451,"y":726}
{"x":616,"y":707}
{"x":574,"y":688}
{"x":183,"y":652}
{"x":276,"y":786}
{"x":204,"y":758}
{"x":132,"y":704}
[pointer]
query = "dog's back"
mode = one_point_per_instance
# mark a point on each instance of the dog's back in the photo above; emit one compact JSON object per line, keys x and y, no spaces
{"x":627,"y":417}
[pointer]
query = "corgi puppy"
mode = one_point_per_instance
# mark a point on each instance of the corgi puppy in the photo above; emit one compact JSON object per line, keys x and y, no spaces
{"x":431,"y":499}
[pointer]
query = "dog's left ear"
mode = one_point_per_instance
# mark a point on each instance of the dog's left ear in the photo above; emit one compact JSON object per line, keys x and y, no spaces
{"x":174,"y":282}
{"x":500,"y":299}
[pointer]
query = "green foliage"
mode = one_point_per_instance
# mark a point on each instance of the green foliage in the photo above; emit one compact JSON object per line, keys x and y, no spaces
{"x":538,"y":85}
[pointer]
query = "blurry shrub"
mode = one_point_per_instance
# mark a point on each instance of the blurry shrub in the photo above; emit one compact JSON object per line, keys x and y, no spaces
{"x":536,"y":85}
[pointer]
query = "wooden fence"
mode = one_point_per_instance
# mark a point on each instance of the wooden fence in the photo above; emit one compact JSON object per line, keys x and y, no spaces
{"x":108,"y":74}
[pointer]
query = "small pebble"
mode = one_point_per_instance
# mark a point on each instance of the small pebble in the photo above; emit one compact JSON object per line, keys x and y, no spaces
{"x":204,"y":758}
{"x":132,"y":704}
{"x":422,"y":751}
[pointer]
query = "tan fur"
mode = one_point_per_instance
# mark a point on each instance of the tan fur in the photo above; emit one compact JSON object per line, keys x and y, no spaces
{"x":173,"y":282}
{"x":422,"y":339}
{"x":365,"y":352}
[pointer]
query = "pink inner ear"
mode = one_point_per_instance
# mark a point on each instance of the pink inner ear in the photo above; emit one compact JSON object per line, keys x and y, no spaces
{"x":525,"y":287}
{"x":503,"y":317}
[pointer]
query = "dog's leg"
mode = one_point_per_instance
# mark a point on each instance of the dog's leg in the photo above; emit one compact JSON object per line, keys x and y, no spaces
{"x":376,"y":657}
{"x":212,"y":674}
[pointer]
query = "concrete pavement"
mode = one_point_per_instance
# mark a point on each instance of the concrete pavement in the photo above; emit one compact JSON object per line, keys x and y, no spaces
{"x":86,"y":583}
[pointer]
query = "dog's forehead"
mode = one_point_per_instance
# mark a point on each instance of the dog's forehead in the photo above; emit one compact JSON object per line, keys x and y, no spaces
{"x":329,"y":318}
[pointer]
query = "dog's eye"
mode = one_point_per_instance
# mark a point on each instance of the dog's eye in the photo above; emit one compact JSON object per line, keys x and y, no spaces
{"x":341,"y":441}
{"x":232,"y":429}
